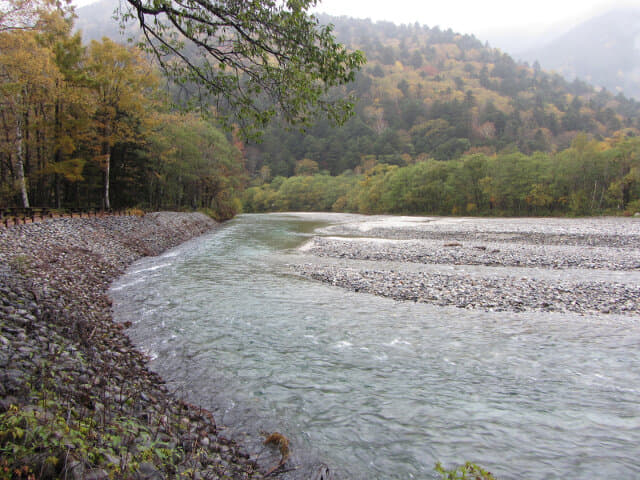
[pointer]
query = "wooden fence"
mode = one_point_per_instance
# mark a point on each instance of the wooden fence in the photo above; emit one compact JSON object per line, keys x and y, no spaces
{"x":18,"y":216}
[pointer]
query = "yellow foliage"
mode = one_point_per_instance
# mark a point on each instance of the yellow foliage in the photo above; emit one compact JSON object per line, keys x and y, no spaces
{"x":398,"y":67}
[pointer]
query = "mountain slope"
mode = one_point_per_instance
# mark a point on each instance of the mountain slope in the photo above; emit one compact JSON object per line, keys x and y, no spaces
{"x":97,"y":20}
{"x":604,"y":51}
{"x":426,"y":92}
{"x":432,"y":93}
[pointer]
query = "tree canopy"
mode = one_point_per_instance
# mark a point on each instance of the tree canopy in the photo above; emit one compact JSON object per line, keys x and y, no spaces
{"x":251,"y":59}
{"x":429,"y":93}
{"x":29,"y":14}
{"x":88,"y":126}
{"x":589,"y":178}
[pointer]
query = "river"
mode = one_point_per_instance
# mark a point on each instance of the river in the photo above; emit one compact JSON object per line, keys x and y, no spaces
{"x":374,"y":388}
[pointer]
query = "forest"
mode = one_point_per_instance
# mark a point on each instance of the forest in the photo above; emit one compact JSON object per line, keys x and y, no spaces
{"x":590,"y":177}
{"x":428,"y":93}
{"x":447,"y":125}
{"x":93,"y":126}
{"x":441,"y":124}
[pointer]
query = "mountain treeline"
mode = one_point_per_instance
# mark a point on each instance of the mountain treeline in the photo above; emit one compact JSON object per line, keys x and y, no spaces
{"x":589,"y":178}
{"x":430,"y":93}
{"x":90,"y":126}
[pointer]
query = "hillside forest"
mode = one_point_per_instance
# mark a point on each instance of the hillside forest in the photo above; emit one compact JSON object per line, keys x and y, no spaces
{"x":447,"y":125}
{"x":442,"y":125}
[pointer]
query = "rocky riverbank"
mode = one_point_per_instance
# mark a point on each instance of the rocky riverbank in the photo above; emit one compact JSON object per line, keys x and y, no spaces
{"x":76,"y":398}
{"x":585,"y":266}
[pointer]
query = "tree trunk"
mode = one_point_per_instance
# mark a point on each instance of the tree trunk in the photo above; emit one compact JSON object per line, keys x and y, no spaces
{"x":106,"y":151}
{"x":107,"y":169}
{"x":58,"y":152}
{"x":58,"y":194}
{"x":20,"y":165}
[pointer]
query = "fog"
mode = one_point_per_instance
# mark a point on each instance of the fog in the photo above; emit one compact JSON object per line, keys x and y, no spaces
{"x":489,"y":18}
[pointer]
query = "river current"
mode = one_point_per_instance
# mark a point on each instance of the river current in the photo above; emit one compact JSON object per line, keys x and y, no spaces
{"x":374,"y":388}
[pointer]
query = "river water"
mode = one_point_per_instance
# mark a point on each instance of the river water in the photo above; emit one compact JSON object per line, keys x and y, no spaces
{"x":379,"y":389}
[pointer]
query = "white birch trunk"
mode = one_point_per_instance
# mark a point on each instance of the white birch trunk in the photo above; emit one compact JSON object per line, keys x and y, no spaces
{"x":20,"y":164}
{"x":107,"y":203}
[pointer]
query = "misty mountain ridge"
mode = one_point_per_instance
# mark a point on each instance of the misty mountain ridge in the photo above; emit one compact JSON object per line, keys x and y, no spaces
{"x":97,"y":20}
{"x":604,"y":51}
{"x":430,"y":93}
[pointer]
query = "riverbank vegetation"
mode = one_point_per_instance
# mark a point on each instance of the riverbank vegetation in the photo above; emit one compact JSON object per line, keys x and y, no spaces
{"x":91,"y":126}
{"x":96,"y":125}
{"x":589,"y":178}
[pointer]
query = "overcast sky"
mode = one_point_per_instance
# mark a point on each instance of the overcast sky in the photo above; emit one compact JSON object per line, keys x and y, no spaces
{"x":471,"y":16}
{"x":476,"y":16}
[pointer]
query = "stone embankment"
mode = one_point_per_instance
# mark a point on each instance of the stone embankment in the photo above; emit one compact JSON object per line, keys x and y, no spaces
{"x":76,"y":398}
{"x":585,"y":266}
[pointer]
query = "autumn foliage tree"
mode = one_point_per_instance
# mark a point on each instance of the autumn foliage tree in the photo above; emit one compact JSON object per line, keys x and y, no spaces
{"x":81,"y":125}
{"x":77,"y":121}
{"x":123,"y":85}
{"x":28,"y":78}
{"x":251,"y":59}
{"x":25,"y":15}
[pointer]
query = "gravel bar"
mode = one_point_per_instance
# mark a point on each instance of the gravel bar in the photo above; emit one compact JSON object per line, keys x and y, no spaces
{"x":608,"y":246}
{"x":449,"y":252}
{"x":491,"y":294}
{"x":608,"y":232}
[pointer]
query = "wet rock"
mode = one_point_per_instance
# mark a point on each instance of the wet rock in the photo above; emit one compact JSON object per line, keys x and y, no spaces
{"x":76,"y":469}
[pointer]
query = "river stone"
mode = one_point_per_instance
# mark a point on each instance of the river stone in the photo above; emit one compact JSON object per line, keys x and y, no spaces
{"x":147,"y":471}
{"x":96,"y":474}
